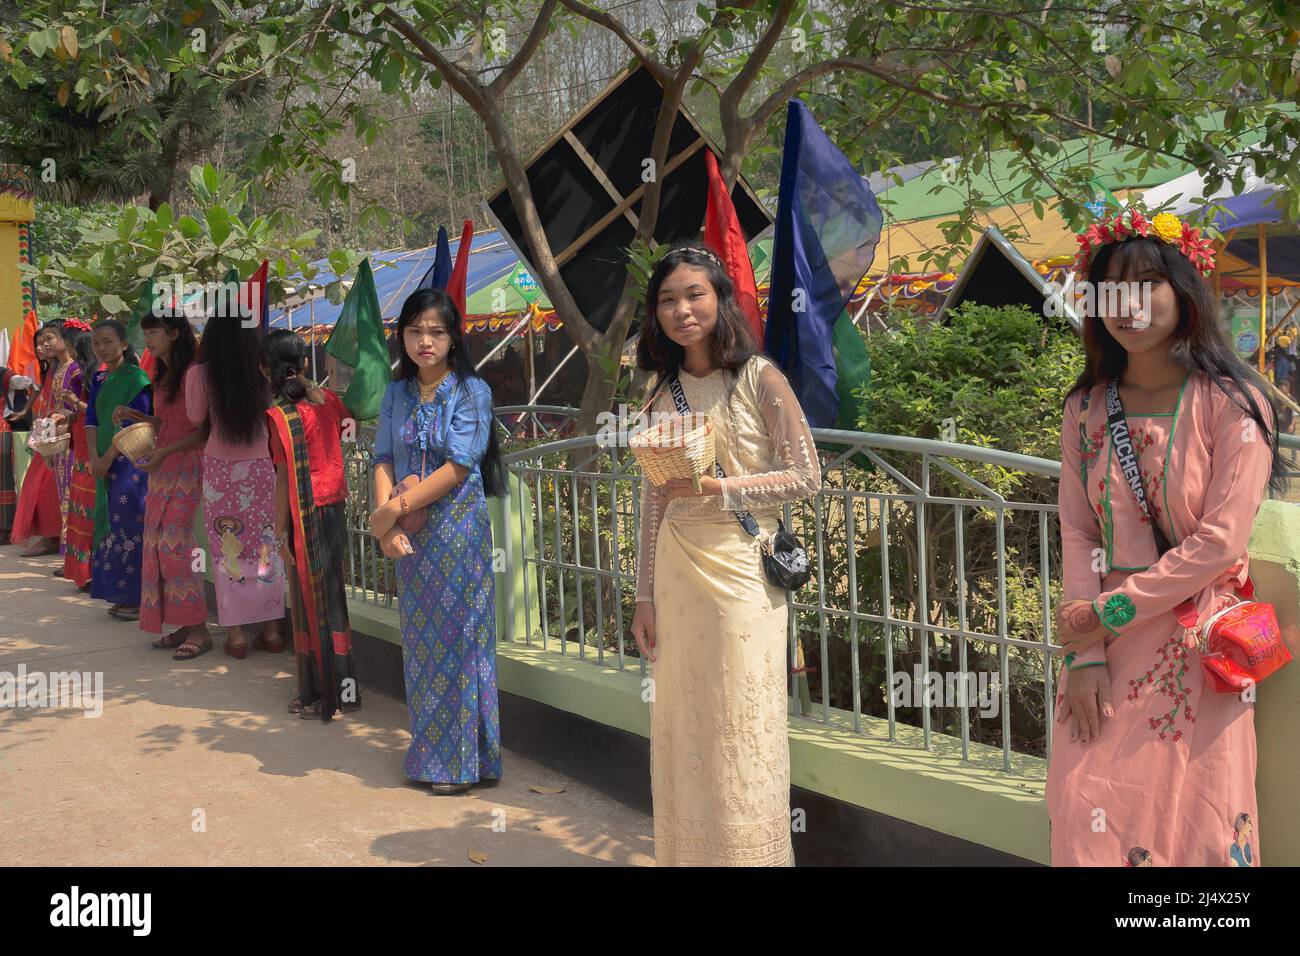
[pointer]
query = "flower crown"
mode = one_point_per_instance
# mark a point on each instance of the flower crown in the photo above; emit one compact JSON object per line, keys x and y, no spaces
{"x":77,"y":324}
{"x":1131,"y":223}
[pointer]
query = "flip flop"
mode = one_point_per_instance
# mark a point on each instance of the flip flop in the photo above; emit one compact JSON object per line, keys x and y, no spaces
{"x":198,"y":650}
{"x":124,"y":614}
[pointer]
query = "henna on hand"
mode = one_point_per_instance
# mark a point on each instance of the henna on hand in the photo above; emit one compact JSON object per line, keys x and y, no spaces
{"x":1081,"y":618}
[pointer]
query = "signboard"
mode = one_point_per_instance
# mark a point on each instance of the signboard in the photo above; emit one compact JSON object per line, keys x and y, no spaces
{"x":523,"y":282}
{"x":1245,"y":332}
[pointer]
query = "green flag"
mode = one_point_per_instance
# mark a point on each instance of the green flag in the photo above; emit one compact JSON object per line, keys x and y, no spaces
{"x":143,"y":306}
{"x":358,"y":341}
{"x":853,"y":363}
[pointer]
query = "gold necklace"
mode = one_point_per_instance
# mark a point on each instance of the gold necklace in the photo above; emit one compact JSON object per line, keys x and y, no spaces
{"x":426,"y":391}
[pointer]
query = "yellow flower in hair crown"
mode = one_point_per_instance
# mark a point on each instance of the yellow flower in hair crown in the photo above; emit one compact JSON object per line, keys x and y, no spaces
{"x":1130,"y":223}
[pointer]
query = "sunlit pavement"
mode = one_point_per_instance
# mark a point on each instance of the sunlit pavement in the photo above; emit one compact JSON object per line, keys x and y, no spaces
{"x":199,"y":763}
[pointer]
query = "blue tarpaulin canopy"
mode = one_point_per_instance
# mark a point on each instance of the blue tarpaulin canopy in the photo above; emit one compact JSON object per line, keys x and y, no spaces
{"x":490,"y":258}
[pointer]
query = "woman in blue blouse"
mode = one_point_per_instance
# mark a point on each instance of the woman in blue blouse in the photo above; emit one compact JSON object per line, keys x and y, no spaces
{"x":436,"y":432}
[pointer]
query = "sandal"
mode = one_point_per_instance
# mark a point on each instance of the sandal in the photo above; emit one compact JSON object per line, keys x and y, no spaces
{"x":311,"y":711}
{"x":238,"y":653}
{"x":190,"y":649}
{"x":449,"y":789}
{"x":271,"y":647}
{"x":39,"y":547}
{"x":169,"y":641}
{"x":295,"y":706}
{"x":124,"y":613}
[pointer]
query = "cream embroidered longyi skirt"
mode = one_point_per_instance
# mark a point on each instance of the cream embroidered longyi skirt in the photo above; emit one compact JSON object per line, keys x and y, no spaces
{"x":719,"y":750}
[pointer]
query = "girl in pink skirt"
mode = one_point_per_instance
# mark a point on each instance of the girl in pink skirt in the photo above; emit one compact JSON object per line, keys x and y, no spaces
{"x":227,"y":391}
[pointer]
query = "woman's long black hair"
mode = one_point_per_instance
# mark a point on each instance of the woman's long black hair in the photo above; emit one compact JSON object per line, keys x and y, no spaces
{"x":128,"y":354}
{"x":1198,"y":341}
{"x":283,"y":354}
{"x":239,"y":392}
{"x":169,"y":374}
{"x":733,"y":341}
{"x":416,"y":304}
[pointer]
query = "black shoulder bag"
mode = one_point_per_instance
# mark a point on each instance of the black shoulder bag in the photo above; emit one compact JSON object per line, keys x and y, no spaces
{"x":785,"y":562}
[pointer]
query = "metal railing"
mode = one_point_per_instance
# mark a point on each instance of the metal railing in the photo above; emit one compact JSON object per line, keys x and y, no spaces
{"x":930,"y":559}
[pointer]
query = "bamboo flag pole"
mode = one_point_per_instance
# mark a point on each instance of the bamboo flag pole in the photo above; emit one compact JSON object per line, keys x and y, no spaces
{"x":1263,"y":296}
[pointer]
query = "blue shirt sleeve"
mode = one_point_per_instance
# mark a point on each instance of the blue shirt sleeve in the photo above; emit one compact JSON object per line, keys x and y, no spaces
{"x":92,"y":420}
{"x":471,"y":424}
{"x":143,"y":401}
{"x":383,"y":450}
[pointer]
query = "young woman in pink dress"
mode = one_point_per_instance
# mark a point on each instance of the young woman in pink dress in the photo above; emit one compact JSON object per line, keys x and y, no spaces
{"x":171,"y":591}
{"x":1149,"y":763}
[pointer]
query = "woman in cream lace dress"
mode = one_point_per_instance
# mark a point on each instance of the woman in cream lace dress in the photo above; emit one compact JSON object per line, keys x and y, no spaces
{"x":706,"y":617}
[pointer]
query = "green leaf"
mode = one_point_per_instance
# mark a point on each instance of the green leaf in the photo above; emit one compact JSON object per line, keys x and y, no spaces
{"x":219,"y":226}
{"x":266,"y":43}
{"x":113,"y":304}
{"x":40,"y":42}
{"x":190,"y":227}
{"x":390,"y":74}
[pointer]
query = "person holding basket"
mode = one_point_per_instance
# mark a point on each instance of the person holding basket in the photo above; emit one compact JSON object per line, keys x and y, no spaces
{"x":707,"y":616}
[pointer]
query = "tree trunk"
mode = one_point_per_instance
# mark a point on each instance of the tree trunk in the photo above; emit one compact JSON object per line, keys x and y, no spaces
{"x":599,"y":391}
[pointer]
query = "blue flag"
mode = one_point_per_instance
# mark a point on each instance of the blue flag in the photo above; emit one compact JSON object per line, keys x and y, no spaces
{"x":439,"y":273}
{"x":827,"y":225}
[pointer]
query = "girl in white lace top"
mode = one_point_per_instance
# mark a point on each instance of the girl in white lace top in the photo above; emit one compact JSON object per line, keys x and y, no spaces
{"x":714,"y":629}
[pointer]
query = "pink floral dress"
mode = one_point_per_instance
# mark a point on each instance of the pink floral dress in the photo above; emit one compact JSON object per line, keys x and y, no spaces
{"x":1171,"y":779}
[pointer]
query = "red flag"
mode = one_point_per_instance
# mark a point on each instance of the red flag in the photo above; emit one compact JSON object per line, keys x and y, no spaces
{"x":22,"y":357}
{"x":252,"y":297}
{"x":723,"y":234}
{"x":460,"y":272}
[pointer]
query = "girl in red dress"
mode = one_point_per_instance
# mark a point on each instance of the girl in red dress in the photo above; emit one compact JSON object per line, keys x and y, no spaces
{"x":80,"y":531}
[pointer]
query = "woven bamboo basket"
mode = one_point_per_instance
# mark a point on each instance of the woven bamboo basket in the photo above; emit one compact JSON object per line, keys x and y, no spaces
{"x":51,"y":449}
{"x":679,"y":447}
{"x":136,"y":441}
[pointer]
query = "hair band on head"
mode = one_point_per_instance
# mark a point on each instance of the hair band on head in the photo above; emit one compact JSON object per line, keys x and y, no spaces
{"x":712,"y":257}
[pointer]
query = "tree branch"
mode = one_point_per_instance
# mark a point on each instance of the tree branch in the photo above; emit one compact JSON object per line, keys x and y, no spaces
{"x":470,"y":90}
{"x":738,"y":87}
{"x":541,"y":26}
{"x":619,"y":29}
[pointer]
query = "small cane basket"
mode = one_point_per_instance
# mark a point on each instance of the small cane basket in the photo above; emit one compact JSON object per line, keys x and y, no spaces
{"x":136,"y":441}
{"x":679,"y":447}
{"x":50,"y":448}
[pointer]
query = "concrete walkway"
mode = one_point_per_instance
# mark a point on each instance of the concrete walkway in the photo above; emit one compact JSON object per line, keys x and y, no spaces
{"x":199,"y":763}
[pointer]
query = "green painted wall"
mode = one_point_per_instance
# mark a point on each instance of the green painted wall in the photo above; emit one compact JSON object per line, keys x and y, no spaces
{"x":1275,"y":568}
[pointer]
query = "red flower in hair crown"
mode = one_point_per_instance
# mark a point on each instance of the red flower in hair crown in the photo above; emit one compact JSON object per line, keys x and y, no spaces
{"x":77,"y":324}
{"x":1131,"y":223}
